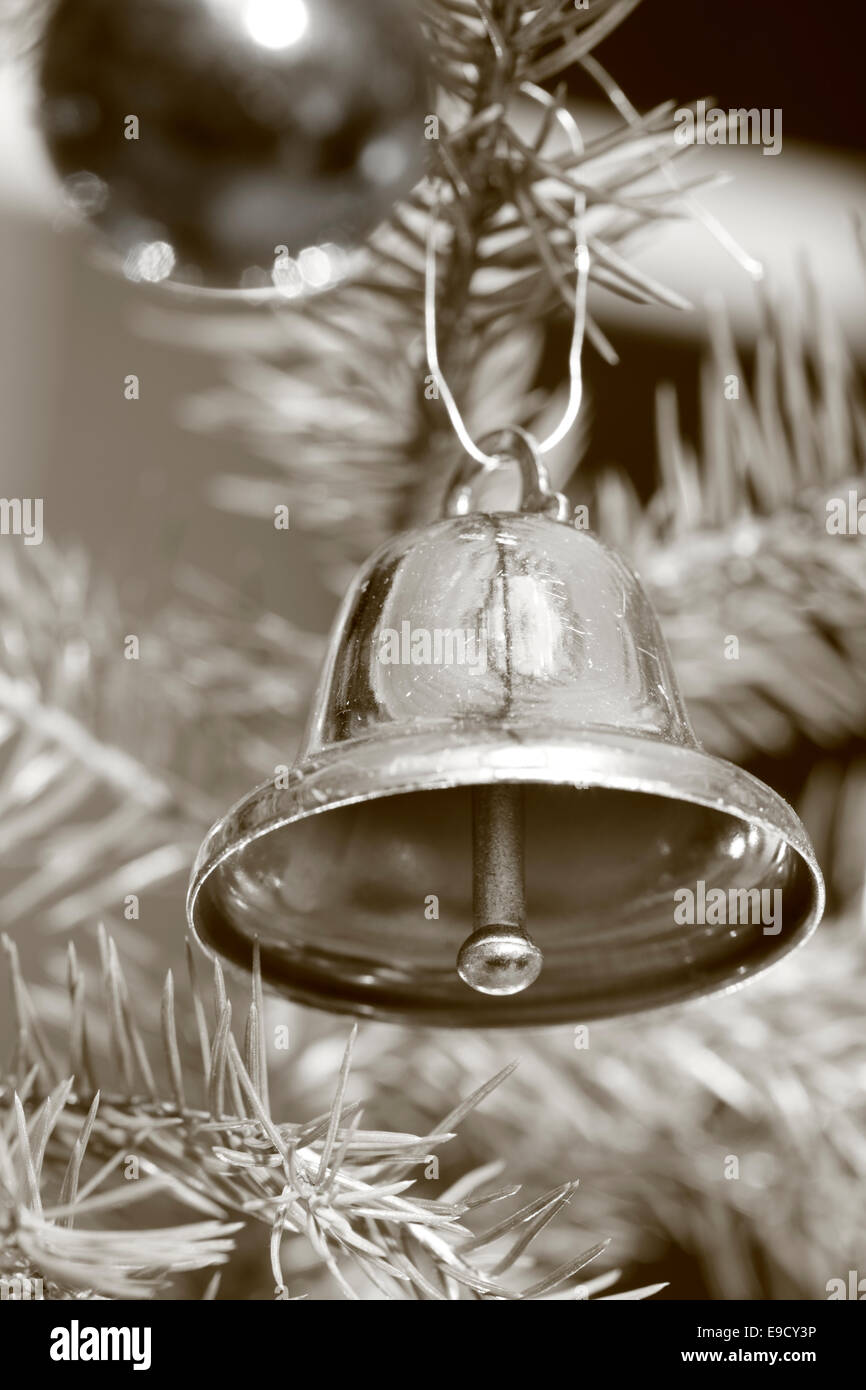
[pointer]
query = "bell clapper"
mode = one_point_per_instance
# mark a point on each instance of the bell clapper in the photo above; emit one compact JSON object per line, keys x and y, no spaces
{"x":499,"y":957}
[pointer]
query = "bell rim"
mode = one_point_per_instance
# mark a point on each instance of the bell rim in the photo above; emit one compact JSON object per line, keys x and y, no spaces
{"x":376,"y":767}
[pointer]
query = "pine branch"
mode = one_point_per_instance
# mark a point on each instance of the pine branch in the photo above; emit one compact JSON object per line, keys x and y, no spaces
{"x":334,"y":393}
{"x":736,"y":544}
{"x":342,"y":1188}
{"x":112,"y":768}
{"x":769,"y":1117}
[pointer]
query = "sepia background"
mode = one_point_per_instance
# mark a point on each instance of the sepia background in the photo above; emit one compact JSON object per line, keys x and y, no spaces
{"x":157,"y":517}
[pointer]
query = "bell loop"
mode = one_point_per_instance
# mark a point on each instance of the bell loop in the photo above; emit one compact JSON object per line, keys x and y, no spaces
{"x":512,"y":445}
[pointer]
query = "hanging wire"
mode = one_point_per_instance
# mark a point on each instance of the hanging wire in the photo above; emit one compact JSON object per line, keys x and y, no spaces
{"x":581,"y":265}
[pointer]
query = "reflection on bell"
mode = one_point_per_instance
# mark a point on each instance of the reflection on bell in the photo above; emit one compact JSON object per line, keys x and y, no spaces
{"x":500,"y":814}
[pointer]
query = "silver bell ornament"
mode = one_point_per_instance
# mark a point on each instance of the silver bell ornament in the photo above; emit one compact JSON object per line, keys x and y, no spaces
{"x":500,"y":815}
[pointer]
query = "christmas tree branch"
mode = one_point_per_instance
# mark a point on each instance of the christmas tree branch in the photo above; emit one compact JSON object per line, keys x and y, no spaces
{"x":334,"y":392}
{"x":747,"y":546}
{"x":350,"y":1192}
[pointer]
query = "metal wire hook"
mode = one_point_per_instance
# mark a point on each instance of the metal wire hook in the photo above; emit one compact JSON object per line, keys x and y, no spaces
{"x":581,"y":262}
{"x":513,"y":445}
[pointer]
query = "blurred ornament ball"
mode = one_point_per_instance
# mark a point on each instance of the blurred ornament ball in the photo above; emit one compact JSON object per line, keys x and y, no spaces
{"x":234,"y":143}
